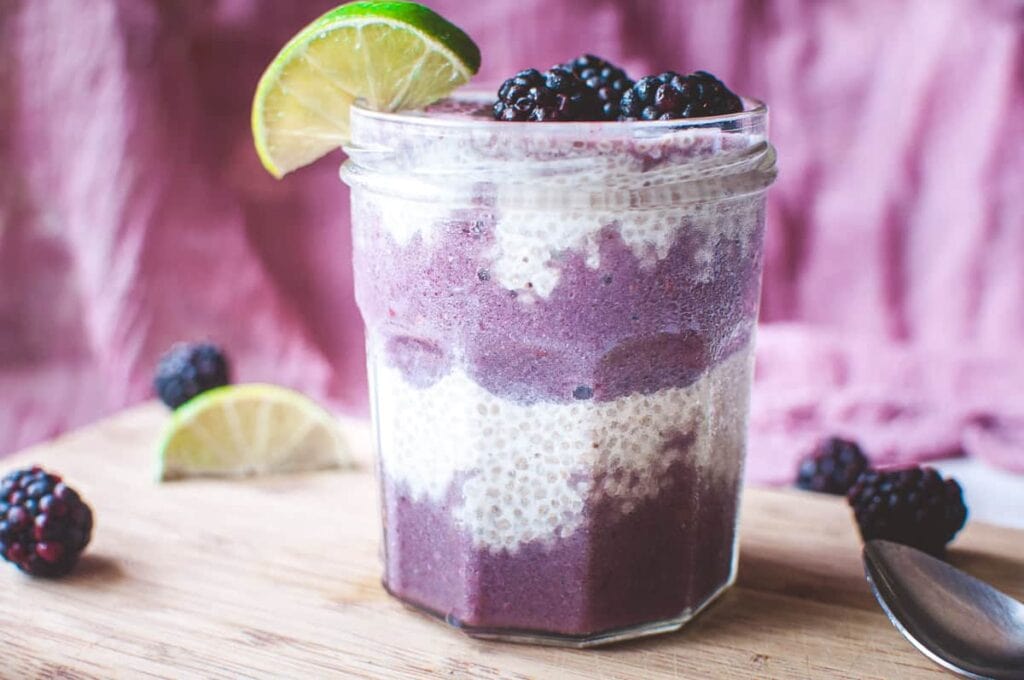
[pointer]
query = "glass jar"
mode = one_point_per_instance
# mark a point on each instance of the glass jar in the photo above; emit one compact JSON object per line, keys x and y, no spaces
{"x":560,"y":320}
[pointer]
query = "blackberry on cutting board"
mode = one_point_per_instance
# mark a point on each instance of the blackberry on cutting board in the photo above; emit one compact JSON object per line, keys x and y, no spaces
{"x":607,"y":80}
{"x":833,"y":467}
{"x":913,"y":506}
{"x":44,"y":524}
{"x":670,"y":95}
{"x":188,"y":369}
{"x":554,"y":95}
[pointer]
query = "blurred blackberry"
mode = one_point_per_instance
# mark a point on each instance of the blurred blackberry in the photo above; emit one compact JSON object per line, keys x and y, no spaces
{"x":913,"y":506}
{"x":833,"y":467}
{"x":188,"y":369}
{"x":670,"y":95}
{"x":44,"y":525}
{"x":607,"y":80}
{"x":555,"y":95}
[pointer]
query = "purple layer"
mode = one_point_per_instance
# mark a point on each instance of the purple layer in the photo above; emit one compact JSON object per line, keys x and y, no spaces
{"x":661,"y":561}
{"x":615,"y":330}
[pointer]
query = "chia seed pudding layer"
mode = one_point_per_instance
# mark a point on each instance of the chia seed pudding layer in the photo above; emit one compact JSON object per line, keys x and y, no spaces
{"x":560,"y":325}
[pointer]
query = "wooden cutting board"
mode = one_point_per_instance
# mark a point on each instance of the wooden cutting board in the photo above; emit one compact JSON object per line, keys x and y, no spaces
{"x":280,"y":578}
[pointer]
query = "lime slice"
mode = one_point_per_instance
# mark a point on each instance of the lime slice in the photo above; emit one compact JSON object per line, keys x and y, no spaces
{"x":392,"y":55}
{"x":240,"y":430}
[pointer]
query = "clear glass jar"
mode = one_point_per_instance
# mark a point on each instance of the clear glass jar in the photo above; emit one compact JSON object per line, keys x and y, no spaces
{"x":560,"y":320}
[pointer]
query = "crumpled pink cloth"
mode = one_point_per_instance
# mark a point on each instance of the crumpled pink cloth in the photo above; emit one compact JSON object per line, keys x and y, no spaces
{"x":902,"y":403}
{"x":134,"y":213}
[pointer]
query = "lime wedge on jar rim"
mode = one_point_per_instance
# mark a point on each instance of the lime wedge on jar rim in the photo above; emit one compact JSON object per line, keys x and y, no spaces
{"x":251,"y":429}
{"x":391,"y":55}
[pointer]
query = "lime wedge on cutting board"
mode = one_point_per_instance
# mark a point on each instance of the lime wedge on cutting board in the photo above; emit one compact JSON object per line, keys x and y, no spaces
{"x":241,"y":430}
{"x":392,"y":55}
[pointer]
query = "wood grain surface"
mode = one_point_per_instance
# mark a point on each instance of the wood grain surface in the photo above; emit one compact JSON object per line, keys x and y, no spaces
{"x":279,"y":578}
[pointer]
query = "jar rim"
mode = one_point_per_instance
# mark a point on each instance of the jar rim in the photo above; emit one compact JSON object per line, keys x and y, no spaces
{"x":426,"y":154}
{"x":754,"y":110}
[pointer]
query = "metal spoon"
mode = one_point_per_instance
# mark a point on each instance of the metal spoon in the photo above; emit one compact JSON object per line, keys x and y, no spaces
{"x":956,"y":620}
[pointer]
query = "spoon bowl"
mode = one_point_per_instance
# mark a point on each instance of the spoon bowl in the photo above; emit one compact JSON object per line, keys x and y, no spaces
{"x":960,"y":622}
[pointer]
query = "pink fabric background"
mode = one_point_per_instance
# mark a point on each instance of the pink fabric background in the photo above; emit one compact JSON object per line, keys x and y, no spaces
{"x":133,"y":211}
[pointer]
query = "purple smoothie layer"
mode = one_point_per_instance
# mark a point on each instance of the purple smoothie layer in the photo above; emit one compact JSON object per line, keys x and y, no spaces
{"x":626,"y":326}
{"x":662,"y":561}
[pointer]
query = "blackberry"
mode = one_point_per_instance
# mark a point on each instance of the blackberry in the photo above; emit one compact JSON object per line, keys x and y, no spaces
{"x":670,"y":95}
{"x":555,"y":95}
{"x":607,"y":80}
{"x":188,"y":369}
{"x":833,"y":468}
{"x":913,"y":506}
{"x":44,"y":525}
